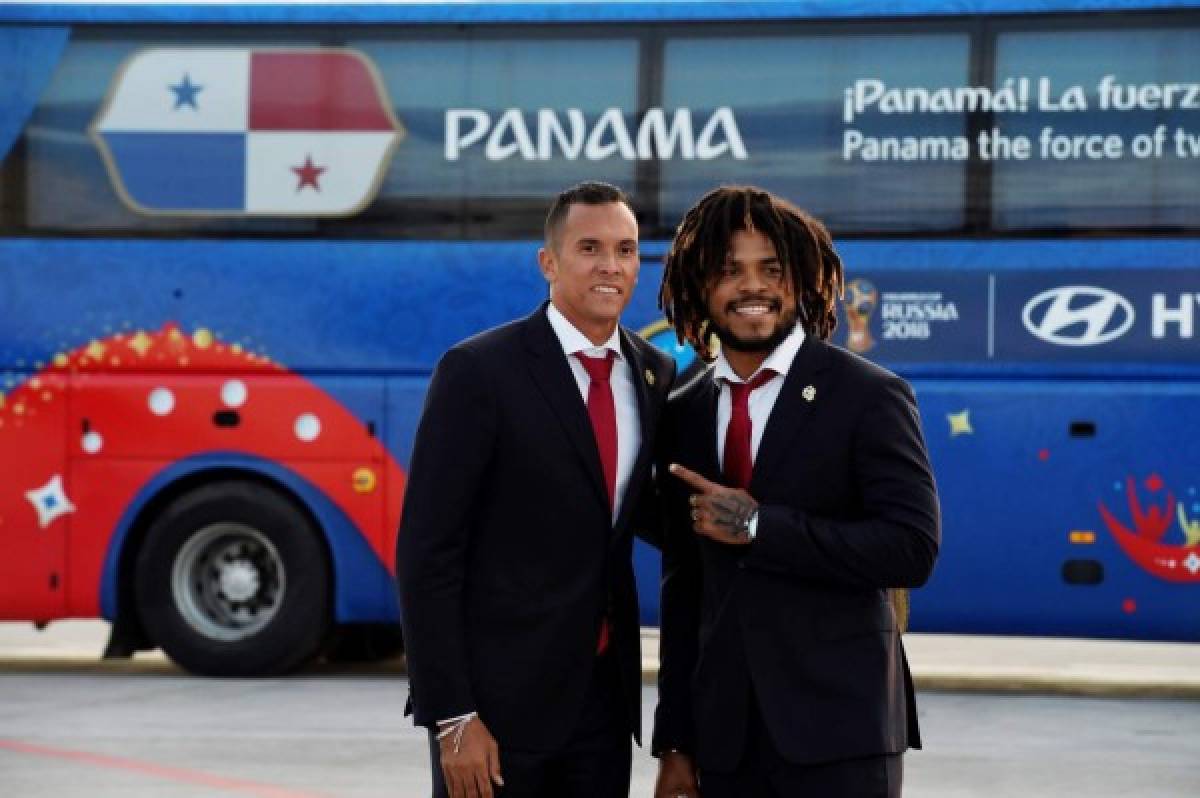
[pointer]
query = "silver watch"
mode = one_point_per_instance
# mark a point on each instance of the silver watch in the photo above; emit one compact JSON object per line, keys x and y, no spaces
{"x":750,"y":525}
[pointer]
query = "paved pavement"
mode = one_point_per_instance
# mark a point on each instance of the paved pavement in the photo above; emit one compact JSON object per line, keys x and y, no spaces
{"x":83,"y":731}
{"x":939,"y":662}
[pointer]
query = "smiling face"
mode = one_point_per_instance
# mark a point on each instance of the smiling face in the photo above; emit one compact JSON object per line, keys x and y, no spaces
{"x":592,"y":266}
{"x":751,"y":300}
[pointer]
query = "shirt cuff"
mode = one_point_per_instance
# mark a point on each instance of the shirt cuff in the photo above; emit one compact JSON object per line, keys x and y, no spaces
{"x":752,"y":527}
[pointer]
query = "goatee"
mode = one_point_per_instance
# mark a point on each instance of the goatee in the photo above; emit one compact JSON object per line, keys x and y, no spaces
{"x":727,"y":338}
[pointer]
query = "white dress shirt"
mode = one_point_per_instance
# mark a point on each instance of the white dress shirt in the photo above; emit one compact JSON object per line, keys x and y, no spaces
{"x":629,"y":428}
{"x":762,"y":400}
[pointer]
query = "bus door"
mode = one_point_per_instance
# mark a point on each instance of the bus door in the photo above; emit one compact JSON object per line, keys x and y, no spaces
{"x":36,"y":507}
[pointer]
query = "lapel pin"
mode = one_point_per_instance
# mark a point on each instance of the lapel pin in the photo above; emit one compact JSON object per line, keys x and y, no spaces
{"x":649,"y":376}
{"x":809,"y":393}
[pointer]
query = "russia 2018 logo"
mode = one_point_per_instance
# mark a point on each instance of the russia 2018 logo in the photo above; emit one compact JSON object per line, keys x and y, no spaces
{"x":1146,"y":541}
{"x":247,"y":132}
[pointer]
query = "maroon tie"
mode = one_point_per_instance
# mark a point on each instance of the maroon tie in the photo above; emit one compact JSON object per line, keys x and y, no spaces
{"x":603,"y":412}
{"x":738,"y":462}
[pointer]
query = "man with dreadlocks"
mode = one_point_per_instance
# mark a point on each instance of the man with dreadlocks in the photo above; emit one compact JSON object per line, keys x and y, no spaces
{"x":799,"y":492}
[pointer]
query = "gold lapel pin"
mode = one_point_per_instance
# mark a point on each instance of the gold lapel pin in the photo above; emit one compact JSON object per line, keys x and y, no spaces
{"x":649,"y":376}
{"x":809,"y":393}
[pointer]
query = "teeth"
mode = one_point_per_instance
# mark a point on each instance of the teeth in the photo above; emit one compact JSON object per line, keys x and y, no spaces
{"x":753,"y":310}
{"x":605,"y":289}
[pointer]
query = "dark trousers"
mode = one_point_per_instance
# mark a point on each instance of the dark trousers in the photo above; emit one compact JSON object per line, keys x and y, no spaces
{"x":764,"y":773}
{"x":595,"y":763}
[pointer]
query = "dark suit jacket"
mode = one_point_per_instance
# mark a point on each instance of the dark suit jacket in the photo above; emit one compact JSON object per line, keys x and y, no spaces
{"x":507,"y":555}
{"x":801,"y":615}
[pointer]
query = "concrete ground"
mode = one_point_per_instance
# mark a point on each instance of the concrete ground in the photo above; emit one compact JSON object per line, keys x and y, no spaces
{"x":72,"y":725}
{"x":82,"y":731}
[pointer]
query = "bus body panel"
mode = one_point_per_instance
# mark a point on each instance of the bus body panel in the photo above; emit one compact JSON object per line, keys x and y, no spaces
{"x":151,"y":350}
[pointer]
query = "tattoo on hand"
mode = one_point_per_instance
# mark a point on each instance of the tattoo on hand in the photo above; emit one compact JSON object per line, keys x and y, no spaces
{"x":732,"y":512}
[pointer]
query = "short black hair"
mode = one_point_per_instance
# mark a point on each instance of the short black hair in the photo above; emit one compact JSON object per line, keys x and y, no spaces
{"x":701,"y":245}
{"x":589,"y":192}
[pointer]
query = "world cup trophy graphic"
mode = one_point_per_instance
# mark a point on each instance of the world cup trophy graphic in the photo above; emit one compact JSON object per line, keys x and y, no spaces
{"x":861,"y":299}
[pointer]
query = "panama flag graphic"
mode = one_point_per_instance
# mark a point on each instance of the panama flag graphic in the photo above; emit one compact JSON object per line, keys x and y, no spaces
{"x":228,"y":132}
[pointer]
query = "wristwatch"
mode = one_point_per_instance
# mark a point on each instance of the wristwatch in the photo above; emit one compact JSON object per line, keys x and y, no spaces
{"x":751,"y":524}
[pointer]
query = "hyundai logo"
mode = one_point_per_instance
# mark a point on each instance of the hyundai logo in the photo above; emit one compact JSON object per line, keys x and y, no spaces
{"x":1078,"y":315}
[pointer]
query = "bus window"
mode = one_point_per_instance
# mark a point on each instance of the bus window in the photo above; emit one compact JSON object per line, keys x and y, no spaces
{"x":494,"y":126}
{"x":788,"y":92}
{"x":1079,"y":177}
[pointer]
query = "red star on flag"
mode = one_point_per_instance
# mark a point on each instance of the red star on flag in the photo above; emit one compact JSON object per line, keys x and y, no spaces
{"x":308,"y":174}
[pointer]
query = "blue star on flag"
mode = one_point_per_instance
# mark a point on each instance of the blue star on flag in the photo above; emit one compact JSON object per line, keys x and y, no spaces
{"x":185,"y":92}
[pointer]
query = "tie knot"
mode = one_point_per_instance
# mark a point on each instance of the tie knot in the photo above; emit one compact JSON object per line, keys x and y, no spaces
{"x":740,"y":391}
{"x":598,"y":368}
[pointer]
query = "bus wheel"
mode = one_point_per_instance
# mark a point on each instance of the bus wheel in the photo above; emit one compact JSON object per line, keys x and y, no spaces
{"x":233,"y":580}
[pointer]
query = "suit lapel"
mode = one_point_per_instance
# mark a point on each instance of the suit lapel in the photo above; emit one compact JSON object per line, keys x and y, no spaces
{"x":647,"y":421}
{"x":792,"y":408}
{"x":704,"y":411}
{"x":552,"y":375}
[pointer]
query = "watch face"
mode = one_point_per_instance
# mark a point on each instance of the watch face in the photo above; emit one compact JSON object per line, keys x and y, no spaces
{"x":750,"y":526}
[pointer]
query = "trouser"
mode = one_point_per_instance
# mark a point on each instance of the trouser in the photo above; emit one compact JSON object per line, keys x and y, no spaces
{"x":764,"y":773}
{"x":595,"y":763}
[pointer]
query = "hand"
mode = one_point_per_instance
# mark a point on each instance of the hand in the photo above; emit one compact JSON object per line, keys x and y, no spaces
{"x":471,"y":771}
{"x":718,"y":512}
{"x":676,"y":777}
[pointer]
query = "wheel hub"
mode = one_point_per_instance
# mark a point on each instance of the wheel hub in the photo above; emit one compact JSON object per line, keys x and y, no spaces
{"x":238,"y":580}
{"x":228,"y":581}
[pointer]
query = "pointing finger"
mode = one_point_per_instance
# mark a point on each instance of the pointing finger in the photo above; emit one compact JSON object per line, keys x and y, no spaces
{"x":693,"y":479}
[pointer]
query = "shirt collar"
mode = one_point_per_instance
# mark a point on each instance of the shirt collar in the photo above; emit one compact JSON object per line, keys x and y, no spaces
{"x":572,"y":340}
{"x":779,"y":361}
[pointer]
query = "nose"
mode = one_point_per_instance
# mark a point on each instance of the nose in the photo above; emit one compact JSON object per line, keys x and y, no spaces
{"x":753,"y":281}
{"x":608,"y":263}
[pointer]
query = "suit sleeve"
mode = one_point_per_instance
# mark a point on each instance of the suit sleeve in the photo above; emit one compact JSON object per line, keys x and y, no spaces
{"x":894,"y":541}
{"x":680,"y":619}
{"x":453,"y":446}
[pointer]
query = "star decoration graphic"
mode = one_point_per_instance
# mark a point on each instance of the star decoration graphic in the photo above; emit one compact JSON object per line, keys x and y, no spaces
{"x":50,"y":501}
{"x":185,"y":93}
{"x":95,"y":350}
{"x":960,"y":423}
{"x":308,"y":174}
{"x":140,"y":343}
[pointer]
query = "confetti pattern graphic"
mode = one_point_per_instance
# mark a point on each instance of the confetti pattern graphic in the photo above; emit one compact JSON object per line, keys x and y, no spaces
{"x":1146,"y":543}
{"x":140,"y":401}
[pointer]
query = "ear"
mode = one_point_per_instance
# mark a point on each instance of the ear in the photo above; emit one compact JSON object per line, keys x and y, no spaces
{"x":547,"y":264}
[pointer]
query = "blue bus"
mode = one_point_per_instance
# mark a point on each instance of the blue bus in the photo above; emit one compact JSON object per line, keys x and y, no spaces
{"x":235,"y":239}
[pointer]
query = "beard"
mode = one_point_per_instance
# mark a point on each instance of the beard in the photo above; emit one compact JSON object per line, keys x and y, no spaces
{"x":766,"y":344}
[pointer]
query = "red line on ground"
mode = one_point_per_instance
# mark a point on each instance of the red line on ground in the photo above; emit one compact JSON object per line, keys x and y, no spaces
{"x":150,"y":769}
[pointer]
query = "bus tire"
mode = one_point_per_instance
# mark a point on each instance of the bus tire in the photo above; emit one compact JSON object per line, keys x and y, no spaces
{"x":233,"y":580}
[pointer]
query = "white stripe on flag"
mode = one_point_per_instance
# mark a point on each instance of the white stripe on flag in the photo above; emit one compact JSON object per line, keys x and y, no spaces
{"x":216,"y":81}
{"x":351,"y":162}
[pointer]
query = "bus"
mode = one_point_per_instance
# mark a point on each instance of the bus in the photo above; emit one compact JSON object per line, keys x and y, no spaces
{"x":235,"y":239}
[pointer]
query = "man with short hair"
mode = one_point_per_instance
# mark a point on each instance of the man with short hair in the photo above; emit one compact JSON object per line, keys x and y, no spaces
{"x":799,"y":493}
{"x":528,"y":476}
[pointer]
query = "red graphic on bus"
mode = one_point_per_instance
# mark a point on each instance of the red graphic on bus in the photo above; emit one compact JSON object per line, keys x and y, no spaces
{"x":1144,"y":543}
{"x":134,"y":403}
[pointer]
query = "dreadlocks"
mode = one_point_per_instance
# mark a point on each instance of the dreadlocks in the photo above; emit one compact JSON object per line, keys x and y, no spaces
{"x":702,"y":244}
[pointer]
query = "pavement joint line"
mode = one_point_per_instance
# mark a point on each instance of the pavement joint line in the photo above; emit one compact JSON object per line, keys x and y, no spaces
{"x":194,"y":777}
